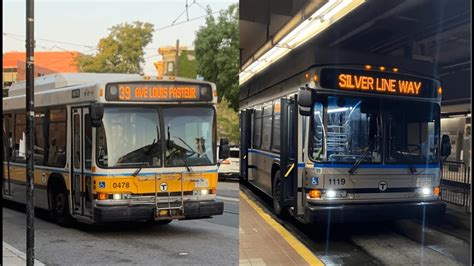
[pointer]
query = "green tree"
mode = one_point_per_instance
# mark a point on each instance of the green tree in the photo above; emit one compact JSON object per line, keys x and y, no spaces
{"x":217,"y":53}
{"x":187,"y":65}
{"x":121,"y":51}
{"x":227,"y":122}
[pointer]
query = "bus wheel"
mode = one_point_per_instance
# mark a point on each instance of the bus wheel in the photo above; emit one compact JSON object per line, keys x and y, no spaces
{"x":60,"y":208}
{"x":276,"y":191}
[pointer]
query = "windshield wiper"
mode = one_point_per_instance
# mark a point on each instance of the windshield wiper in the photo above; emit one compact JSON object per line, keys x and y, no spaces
{"x":140,"y":168}
{"x":183,"y":157}
{"x":367,"y":152}
{"x":410,"y":163}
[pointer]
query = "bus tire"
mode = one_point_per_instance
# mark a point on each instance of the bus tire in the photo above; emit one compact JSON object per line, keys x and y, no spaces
{"x":60,"y":207}
{"x":280,"y":211}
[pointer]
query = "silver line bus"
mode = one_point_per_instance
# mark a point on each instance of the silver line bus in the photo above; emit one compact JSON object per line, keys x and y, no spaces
{"x":115,"y":147}
{"x":344,"y":138}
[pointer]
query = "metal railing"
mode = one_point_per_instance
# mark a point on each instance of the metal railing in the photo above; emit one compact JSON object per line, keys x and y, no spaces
{"x":456,"y":183}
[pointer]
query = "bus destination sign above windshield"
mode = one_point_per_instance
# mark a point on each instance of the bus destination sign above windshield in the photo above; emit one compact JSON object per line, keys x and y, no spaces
{"x":156,"y":92}
{"x":378,"y":83}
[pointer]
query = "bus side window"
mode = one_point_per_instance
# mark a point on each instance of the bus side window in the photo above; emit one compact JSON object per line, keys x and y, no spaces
{"x":257,"y":128}
{"x":40,"y":125}
{"x":19,"y":149}
{"x":57,"y":138}
{"x":7,"y":137}
{"x":267,"y":127}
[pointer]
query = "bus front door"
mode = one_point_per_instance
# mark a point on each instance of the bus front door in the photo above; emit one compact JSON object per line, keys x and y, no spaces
{"x":288,"y":152}
{"x":81,"y":193}
{"x":245,"y":133}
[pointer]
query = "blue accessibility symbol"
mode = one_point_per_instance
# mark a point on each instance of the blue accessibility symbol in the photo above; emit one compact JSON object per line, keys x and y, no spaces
{"x":315,"y":181}
{"x":102,"y":184}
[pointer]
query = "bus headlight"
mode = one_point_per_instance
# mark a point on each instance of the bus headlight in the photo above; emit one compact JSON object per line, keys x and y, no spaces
{"x":120,"y":196}
{"x":424,"y":191}
{"x":204,"y":192}
{"x":331,"y":194}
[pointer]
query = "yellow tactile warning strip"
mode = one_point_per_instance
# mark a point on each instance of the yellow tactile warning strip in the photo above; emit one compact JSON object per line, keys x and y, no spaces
{"x":263,"y":241}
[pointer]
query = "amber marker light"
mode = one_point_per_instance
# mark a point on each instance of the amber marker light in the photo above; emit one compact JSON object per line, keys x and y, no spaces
{"x":368,"y":67}
{"x":146,"y":77}
{"x":395,"y":69}
{"x":315,"y":194}
{"x":306,"y":76}
{"x":436,"y":191}
{"x":159,"y":77}
{"x":214,"y":93}
{"x":440,"y":90}
{"x":382,"y":68}
{"x":102,"y":196}
{"x":315,"y":78}
{"x":172,"y":78}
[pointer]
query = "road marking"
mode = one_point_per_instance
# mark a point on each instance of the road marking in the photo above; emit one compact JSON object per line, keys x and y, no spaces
{"x":227,"y":198}
{"x":303,"y":251}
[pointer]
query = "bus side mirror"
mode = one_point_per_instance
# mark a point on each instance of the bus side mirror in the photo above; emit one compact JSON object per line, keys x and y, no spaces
{"x":306,"y":99}
{"x":96,"y":111}
{"x":224,"y":149}
{"x":445,"y":146}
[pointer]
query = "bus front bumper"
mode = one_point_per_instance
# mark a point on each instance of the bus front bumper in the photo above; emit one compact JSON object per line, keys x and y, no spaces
{"x":192,"y":210}
{"x":315,"y":213}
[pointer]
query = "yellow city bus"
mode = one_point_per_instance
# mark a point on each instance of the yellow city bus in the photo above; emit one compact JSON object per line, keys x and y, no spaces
{"x":115,"y":147}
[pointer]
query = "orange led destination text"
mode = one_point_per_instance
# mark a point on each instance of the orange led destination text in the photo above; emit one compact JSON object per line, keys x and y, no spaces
{"x":367,"y":83}
{"x":156,"y":92}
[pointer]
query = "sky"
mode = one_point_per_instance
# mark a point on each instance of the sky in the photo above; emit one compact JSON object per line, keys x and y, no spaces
{"x":79,"y":24}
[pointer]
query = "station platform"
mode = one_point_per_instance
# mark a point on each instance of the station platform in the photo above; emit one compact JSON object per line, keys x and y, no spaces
{"x":263,"y":241}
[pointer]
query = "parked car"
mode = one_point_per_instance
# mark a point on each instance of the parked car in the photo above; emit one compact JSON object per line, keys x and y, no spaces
{"x":229,"y":167}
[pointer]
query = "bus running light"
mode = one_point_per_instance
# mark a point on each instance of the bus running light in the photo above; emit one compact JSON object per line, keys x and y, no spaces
{"x":395,"y":69}
{"x":102,"y":196}
{"x":368,"y":67}
{"x":331,"y":193}
{"x":382,"y":68}
{"x":315,"y":194}
{"x":315,"y":78}
{"x":440,"y":90}
{"x":117,"y":196}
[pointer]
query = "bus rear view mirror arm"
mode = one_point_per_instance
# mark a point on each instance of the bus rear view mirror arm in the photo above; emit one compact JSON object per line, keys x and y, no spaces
{"x":96,"y":111}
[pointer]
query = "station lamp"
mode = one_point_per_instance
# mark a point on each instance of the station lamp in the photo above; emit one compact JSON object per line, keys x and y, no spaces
{"x":321,"y":19}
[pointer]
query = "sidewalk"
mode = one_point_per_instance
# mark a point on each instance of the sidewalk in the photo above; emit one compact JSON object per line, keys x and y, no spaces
{"x":12,"y":256}
{"x":263,"y":241}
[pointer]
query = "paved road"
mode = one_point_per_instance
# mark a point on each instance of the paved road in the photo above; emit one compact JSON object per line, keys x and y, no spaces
{"x":208,"y":241}
{"x":384,"y":243}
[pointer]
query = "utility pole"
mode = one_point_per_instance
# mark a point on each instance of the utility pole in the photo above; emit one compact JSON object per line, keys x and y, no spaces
{"x":30,"y":141}
{"x":177,"y":59}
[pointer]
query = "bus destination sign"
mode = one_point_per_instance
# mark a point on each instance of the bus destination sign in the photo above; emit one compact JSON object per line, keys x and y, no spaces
{"x":167,"y":92}
{"x":378,"y":82}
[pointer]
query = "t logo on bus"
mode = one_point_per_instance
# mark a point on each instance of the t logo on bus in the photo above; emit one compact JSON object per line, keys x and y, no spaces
{"x":383,"y":186}
{"x":163,"y":186}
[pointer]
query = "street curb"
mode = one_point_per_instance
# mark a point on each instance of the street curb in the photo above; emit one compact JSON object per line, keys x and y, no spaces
{"x":20,"y":254}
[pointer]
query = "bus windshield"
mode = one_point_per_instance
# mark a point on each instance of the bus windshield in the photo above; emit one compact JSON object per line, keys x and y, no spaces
{"x":343,"y":130}
{"x":189,"y":133}
{"x":412,"y":131}
{"x":129,"y":137}
{"x":348,"y":129}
